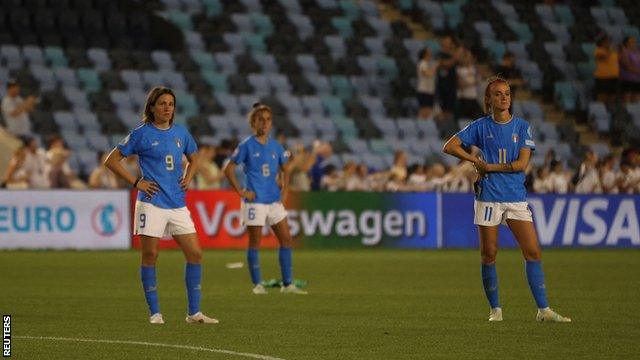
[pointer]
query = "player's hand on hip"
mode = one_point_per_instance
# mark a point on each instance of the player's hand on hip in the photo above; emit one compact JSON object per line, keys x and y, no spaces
{"x":481,"y":166}
{"x":148,"y":187}
{"x":184,"y":184}
{"x":249,"y":195}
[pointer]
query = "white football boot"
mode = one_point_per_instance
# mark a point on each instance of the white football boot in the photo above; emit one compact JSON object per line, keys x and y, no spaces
{"x":200,"y":318}
{"x":548,"y":315}
{"x":495,"y":314}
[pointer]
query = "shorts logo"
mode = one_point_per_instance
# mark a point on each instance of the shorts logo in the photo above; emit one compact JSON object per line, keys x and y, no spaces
{"x":106,"y":220}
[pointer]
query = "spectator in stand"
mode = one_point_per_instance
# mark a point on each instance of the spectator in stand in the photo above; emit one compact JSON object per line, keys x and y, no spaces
{"x":36,"y":164}
{"x":426,"y":86}
{"x":417,"y":177}
{"x":223,"y":152}
{"x":101,"y":177}
{"x":628,"y":182}
{"x":587,"y":180}
{"x":351,"y":180}
{"x":59,"y":178}
{"x":542,"y":183}
{"x":322,"y":151}
{"x":507,"y":70}
{"x":559,"y":178}
{"x":607,"y":71}
{"x":468,"y":81}
{"x":16,"y":175}
{"x":60,"y":173}
{"x":399,"y":168}
{"x":301,"y":164}
{"x":608,"y":176}
{"x":630,"y":69}
{"x":364,"y":179}
{"x":446,"y":78}
{"x":331,"y":179}
{"x":208,"y":176}
{"x":16,"y":110}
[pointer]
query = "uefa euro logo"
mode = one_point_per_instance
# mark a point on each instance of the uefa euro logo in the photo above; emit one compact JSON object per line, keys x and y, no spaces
{"x":106,"y":219}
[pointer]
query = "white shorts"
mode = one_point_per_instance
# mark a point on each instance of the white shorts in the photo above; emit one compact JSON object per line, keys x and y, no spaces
{"x":495,"y":213}
{"x":255,"y":214}
{"x":151,"y":220}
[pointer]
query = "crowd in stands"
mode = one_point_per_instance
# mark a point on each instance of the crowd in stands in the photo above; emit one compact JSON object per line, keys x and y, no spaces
{"x":448,"y":86}
{"x":33,"y":167}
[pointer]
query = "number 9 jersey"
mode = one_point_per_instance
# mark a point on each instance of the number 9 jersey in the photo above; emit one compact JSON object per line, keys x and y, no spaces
{"x":261,"y":164}
{"x":160,"y":157}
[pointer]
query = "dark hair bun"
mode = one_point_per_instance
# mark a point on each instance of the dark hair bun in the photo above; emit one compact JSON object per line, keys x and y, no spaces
{"x":256,"y":104}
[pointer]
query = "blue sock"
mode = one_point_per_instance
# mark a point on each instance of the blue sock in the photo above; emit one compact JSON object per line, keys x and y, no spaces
{"x":254,"y":265}
{"x":535,"y":276}
{"x":148,"y":277}
{"x":192,"y":276}
{"x":284,"y":256}
{"x":490,"y":283}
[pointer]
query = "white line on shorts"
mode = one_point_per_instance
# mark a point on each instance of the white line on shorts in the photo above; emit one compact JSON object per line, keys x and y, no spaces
{"x":186,"y":347}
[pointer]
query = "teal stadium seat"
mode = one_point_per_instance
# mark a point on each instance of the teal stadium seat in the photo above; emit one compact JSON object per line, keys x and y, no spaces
{"x":217,"y":81}
{"x":55,"y":56}
{"x":350,"y":9}
{"x":343,"y":25}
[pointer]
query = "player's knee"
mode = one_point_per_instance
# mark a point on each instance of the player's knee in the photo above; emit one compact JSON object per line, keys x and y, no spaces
{"x":489,"y":256}
{"x":285,"y":241}
{"x":533,"y":255}
{"x":149,"y":257}
{"x":195,"y":256}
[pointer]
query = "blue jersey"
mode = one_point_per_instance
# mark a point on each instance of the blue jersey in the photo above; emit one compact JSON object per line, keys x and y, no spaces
{"x":261,"y":165}
{"x":160,"y":157}
{"x":500,"y":144}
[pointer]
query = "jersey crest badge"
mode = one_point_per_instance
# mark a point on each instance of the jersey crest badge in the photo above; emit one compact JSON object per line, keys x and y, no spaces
{"x":514,"y":137}
{"x":178,"y":143}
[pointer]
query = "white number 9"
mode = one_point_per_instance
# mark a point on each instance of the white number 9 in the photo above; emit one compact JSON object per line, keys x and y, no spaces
{"x":169,"y":161}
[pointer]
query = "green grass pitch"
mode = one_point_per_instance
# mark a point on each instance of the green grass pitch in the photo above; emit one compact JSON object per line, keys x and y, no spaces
{"x":363,"y":304}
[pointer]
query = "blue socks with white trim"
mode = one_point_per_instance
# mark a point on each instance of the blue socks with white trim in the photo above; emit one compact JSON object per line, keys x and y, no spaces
{"x":490,"y":284}
{"x":254,"y":265}
{"x":148,"y":277}
{"x":535,"y":277}
{"x":192,"y":276}
{"x":284,"y":257}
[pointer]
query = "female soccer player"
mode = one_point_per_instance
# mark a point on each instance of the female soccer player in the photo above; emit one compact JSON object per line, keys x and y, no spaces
{"x":506,"y":144}
{"x":160,"y":145}
{"x":263,"y":159}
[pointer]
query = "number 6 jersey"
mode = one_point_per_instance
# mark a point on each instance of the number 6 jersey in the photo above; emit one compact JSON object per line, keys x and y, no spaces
{"x":261,"y":164}
{"x":160,"y":157}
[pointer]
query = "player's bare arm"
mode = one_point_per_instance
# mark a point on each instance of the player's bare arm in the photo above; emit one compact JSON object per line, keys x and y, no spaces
{"x":230,"y":173}
{"x":113,"y":163}
{"x":516,"y":166}
{"x":192,"y":168}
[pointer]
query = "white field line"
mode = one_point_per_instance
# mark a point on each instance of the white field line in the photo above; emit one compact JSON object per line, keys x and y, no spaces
{"x":125,"y":342}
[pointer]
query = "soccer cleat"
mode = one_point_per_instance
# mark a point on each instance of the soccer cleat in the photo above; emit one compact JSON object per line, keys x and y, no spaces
{"x":200,"y":318}
{"x":292,"y":289}
{"x":156,"y":319}
{"x":259,"y":290}
{"x":495,"y":314}
{"x":548,"y":315}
